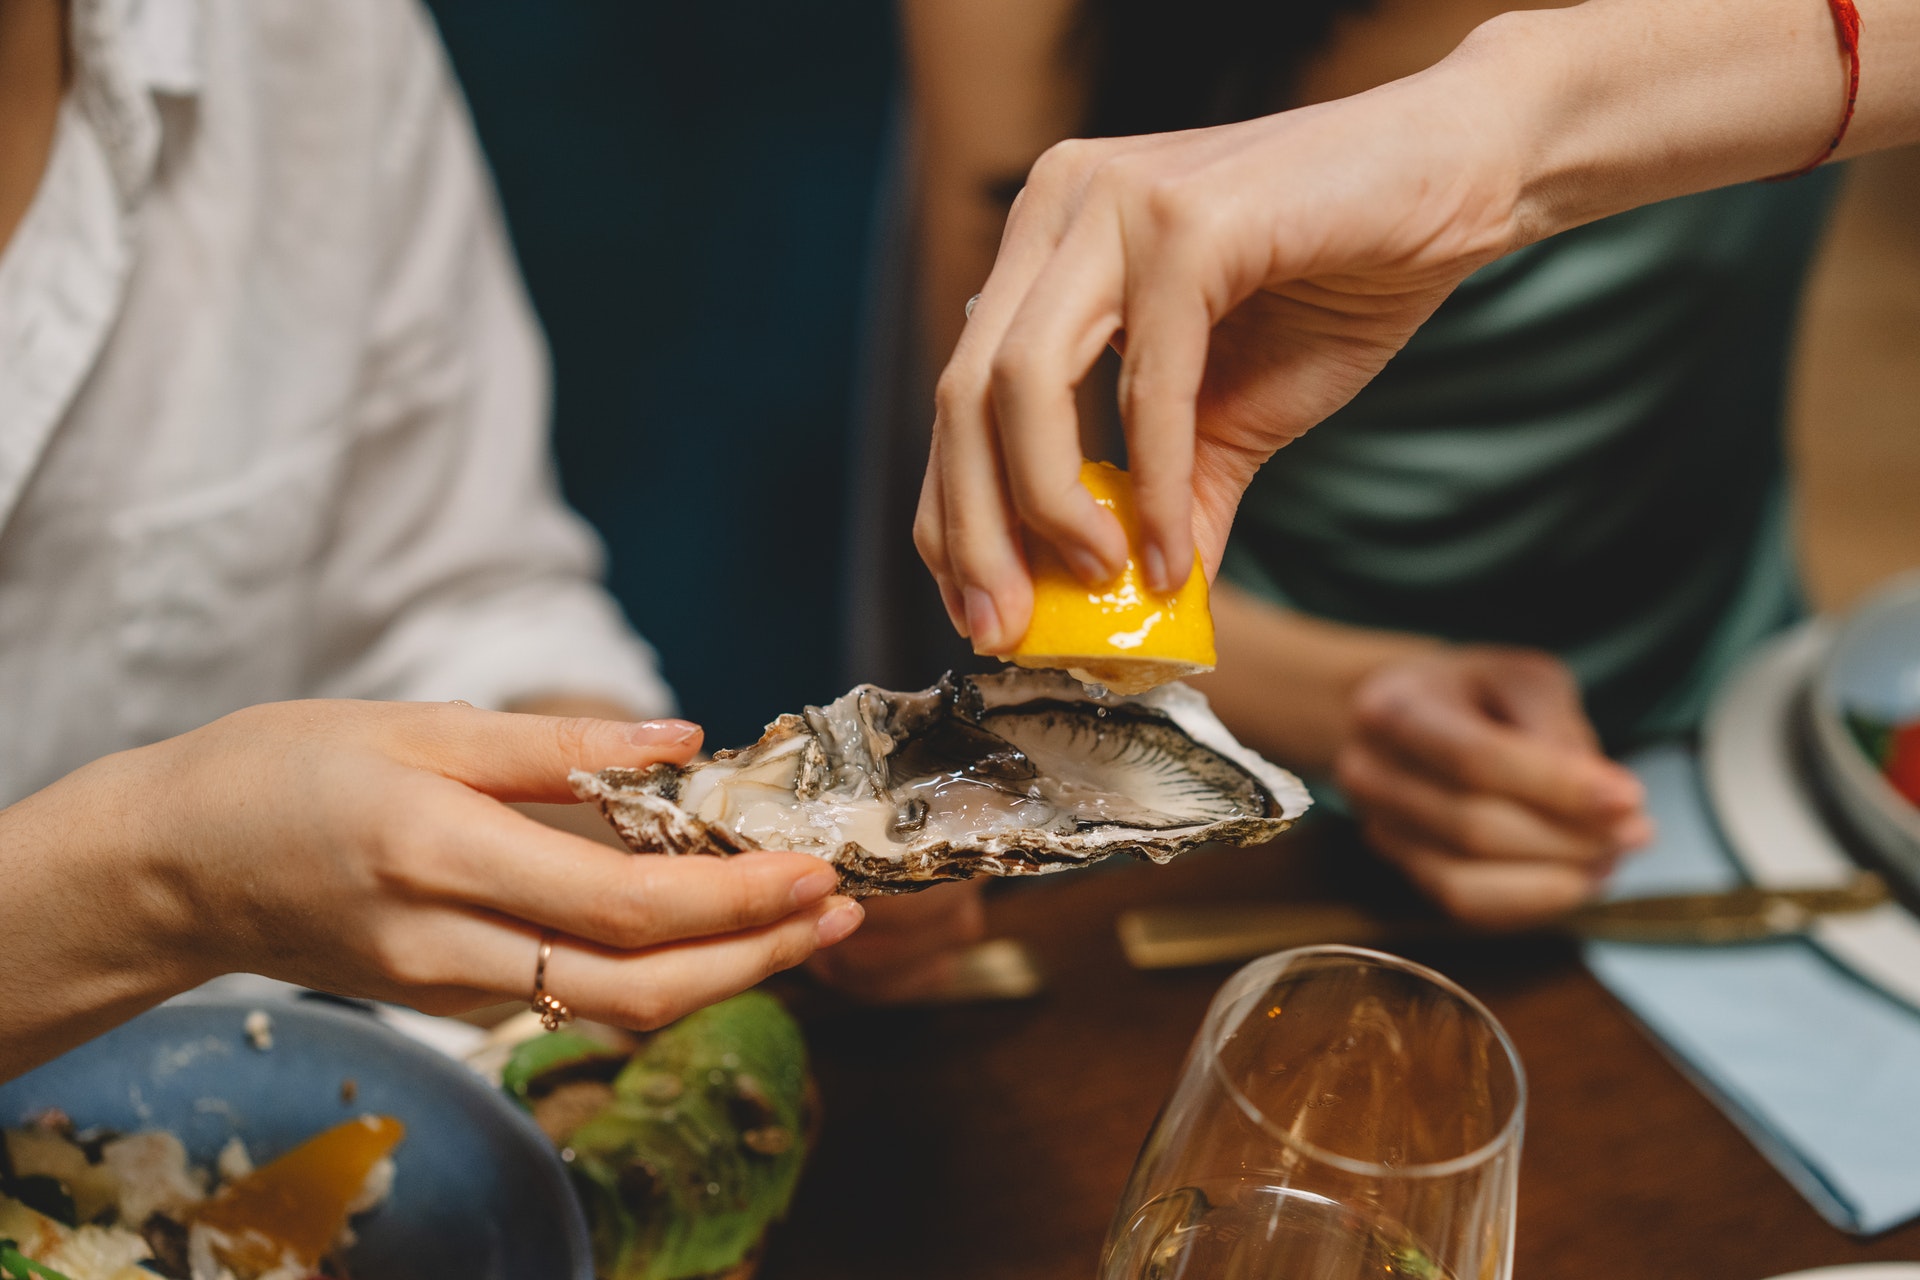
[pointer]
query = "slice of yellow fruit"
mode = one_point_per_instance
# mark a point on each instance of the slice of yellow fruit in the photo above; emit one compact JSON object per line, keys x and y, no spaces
{"x":296,"y":1205}
{"x":1120,"y":635}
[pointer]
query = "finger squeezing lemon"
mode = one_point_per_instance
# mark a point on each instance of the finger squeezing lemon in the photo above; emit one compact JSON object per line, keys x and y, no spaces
{"x":1121,"y":635}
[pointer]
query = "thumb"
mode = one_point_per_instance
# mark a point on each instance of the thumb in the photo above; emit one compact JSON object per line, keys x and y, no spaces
{"x":1535,"y":692}
{"x":1221,"y":474}
{"x":526,"y":758}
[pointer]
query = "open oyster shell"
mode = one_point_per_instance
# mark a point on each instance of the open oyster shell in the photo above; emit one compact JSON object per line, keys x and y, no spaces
{"x":1015,"y":773}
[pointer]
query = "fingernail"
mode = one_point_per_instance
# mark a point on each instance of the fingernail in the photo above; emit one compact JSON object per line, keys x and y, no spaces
{"x":1153,"y":563}
{"x":663,"y":733}
{"x":983,"y":620}
{"x":1086,"y":566}
{"x":1619,"y":791}
{"x":1635,"y":833}
{"x":838,"y":923}
{"x":812,"y":887}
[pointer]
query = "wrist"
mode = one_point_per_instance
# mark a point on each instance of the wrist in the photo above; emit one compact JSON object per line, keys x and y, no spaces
{"x":86,"y":925}
{"x":1612,"y":104}
{"x":122,"y":820}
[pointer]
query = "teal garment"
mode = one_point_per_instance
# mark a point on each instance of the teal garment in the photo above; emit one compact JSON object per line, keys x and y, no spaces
{"x":1581,"y":451}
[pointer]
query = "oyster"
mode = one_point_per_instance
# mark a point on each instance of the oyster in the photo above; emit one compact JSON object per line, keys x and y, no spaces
{"x":1016,"y":773}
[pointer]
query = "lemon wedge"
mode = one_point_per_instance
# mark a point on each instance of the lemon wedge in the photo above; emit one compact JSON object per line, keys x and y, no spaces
{"x":1120,"y":635}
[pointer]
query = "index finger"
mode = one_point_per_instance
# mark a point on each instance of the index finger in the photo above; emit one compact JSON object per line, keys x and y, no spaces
{"x":526,"y":758}
{"x":984,"y":569}
{"x":1062,"y":328}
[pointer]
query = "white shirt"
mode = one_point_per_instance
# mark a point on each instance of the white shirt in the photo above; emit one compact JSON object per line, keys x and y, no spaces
{"x":272,"y":400}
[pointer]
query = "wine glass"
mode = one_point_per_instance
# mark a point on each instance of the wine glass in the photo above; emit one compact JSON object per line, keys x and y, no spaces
{"x":1342,"y":1113}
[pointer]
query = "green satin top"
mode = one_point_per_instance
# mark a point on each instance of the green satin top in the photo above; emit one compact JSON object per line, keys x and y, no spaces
{"x":1581,"y":451}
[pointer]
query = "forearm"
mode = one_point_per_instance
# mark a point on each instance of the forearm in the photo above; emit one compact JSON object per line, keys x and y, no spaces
{"x":1619,"y":103}
{"x":1285,"y":680}
{"x":96,"y":924}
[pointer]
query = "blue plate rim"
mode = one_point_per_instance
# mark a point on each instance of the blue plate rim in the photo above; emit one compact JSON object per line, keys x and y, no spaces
{"x":326,"y":1012}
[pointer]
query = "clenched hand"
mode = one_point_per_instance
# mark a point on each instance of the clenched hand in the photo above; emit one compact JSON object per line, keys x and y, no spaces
{"x":1476,"y":772}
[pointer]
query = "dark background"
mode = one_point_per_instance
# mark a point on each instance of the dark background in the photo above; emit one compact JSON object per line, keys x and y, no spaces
{"x":690,"y":189}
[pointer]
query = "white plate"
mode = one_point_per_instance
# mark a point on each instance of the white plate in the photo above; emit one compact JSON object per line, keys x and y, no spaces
{"x":1762,"y":800}
{"x":1860,"y":1271}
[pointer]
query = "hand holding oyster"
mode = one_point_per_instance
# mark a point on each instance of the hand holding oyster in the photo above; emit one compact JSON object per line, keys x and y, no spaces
{"x":1021,"y":772}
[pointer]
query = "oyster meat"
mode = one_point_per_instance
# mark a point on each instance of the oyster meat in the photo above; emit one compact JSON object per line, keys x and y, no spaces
{"x":1016,"y":773}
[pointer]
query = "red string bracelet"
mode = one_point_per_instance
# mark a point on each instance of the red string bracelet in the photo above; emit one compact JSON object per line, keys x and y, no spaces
{"x":1846,"y":21}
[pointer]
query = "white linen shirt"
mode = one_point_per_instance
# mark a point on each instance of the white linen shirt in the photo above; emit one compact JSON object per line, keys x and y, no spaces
{"x":272,"y":401}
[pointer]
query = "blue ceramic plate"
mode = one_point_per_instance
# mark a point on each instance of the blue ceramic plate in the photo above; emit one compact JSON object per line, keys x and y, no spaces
{"x":478,"y":1193}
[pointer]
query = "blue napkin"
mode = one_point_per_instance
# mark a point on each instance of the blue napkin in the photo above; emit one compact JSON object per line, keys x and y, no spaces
{"x":1820,"y":1069}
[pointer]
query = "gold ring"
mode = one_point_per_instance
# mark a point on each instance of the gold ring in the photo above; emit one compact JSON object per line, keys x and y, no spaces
{"x":553,"y":1011}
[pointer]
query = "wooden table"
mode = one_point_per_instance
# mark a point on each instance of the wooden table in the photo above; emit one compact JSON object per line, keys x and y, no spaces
{"x":992,"y":1141}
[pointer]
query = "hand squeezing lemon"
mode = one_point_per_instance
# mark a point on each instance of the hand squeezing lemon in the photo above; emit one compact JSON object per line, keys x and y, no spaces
{"x":1120,"y":635}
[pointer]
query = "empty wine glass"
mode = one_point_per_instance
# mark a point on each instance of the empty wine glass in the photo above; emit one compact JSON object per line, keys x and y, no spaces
{"x":1342,"y":1113}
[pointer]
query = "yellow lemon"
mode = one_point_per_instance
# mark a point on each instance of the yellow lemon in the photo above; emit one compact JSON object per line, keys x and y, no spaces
{"x":1121,"y":635}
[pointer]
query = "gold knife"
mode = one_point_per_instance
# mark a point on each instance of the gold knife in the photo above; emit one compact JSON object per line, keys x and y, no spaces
{"x":1173,"y":937}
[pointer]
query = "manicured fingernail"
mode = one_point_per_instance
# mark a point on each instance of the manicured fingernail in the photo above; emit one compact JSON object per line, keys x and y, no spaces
{"x":663,"y":733}
{"x":812,"y":887}
{"x":1153,"y":563}
{"x":1086,"y":566}
{"x":838,"y":923}
{"x":983,"y":620}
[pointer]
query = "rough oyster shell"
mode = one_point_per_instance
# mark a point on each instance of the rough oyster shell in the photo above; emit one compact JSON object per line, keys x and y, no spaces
{"x":1015,"y":773}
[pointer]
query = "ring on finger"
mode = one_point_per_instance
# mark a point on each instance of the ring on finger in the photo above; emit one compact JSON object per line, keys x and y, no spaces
{"x":553,"y":1011}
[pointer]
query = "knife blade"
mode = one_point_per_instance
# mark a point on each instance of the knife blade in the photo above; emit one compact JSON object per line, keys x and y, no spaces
{"x":1749,"y":913}
{"x":1178,"y":936}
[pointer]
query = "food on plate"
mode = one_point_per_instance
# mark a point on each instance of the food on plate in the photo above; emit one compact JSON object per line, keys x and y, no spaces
{"x":1121,"y":635}
{"x":1894,"y":748}
{"x":685,"y":1151}
{"x":296,"y":1206}
{"x":1015,"y":773}
{"x":106,"y":1206}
